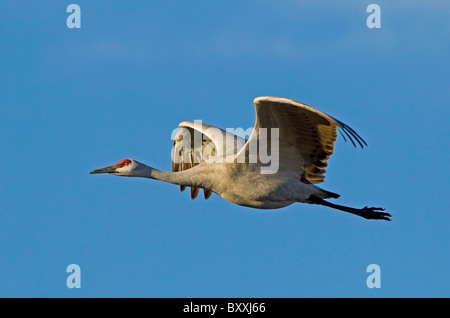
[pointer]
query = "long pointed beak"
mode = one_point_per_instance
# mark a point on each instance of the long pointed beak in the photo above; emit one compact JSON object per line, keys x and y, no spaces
{"x":110,"y":169}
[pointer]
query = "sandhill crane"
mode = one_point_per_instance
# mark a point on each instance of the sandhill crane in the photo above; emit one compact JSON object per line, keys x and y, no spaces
{"x":305,"y":142}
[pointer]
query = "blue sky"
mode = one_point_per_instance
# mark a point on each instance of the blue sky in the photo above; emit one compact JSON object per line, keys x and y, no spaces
{"x":74,"y":100}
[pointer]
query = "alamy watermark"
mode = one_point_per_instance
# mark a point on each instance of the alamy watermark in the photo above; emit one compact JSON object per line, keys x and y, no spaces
{"x":74,"y":19}
{"x":74,"y":279}
{"x":212,"y":145}
{"x":374,"y":19}
{"x":374,"y":279}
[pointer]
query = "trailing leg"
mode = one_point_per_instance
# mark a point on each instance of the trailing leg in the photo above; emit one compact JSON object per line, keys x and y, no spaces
{"x":366,"y":212}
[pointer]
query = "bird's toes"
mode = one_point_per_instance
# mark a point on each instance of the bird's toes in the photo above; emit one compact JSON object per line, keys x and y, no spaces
{"x":374,"y":214}
{"x":376,"y":209}
{"x":386,"y":216}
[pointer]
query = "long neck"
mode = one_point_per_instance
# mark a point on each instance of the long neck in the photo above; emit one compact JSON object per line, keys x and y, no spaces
{"x":201,"y":176}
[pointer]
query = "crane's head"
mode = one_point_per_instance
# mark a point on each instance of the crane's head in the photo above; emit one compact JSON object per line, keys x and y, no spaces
{"x":125,"y":167}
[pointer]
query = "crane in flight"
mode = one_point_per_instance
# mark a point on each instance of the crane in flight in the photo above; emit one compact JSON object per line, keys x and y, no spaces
{"x":305,"y":142}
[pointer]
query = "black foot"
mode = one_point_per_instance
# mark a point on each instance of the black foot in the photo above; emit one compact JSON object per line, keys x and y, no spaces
{"x":374,"y":214}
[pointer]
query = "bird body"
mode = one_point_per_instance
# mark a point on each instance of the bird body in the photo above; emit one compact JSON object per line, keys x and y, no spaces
{"x":301,"y":140}
{"x":239,"y":184}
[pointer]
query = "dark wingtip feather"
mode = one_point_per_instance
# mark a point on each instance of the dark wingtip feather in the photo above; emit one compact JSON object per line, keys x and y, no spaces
{"x":351,"y":134}
{"x":349,"y":137}
{"x":207,"y":193}
{"x":356,"y":136}
{"x":340,"y":132}
{"x":194,"y":192}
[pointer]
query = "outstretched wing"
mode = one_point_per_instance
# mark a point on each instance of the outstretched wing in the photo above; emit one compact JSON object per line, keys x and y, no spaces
{"x":306,"y":136}
{"x":196,"y":143}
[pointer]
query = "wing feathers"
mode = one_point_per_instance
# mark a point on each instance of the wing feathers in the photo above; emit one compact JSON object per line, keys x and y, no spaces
{"x":207,"y":193}
{"x":306,"y":139}
{"x":310,"y":131}
{"x":190,"y":153}
{"x":194,"y":192}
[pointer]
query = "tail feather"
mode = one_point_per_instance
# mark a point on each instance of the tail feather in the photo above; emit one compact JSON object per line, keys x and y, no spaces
{"x":329,"y":194}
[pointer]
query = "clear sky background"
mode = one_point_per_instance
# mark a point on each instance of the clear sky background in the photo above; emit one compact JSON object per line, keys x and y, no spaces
{"x":74,"y":100}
